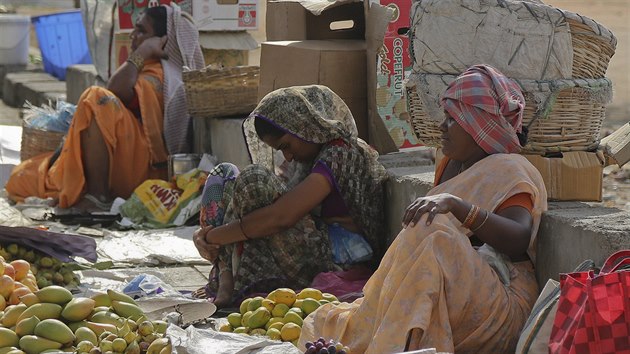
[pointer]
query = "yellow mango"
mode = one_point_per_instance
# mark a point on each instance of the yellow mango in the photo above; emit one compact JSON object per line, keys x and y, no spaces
{"x":8,"y":338}
{"x":43,"y":311}
{"x":54,"y":294}
{"x":78,"y":309}
{"x":310,"y":292}
{"x":55,"y":330}
{"x":34,"y":344}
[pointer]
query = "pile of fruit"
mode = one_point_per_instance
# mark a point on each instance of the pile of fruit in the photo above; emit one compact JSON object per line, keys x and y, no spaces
{"x":36,"y":320}
{"x":321,"y":346}
{"x":47,"y":270}
{"x":278,"y":316}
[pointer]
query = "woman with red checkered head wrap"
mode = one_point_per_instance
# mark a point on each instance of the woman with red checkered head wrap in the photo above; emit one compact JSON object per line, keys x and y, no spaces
{"x":460,"y":275}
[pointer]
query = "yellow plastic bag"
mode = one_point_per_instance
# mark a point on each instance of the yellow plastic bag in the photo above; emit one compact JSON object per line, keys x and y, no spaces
{"x":156,"y":203}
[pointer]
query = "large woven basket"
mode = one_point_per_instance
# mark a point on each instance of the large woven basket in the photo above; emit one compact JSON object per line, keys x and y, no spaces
{"x":562,"y":115}
{"x":221,"y":92}
{"x":37,"y":141}
{"x":590,"y":44}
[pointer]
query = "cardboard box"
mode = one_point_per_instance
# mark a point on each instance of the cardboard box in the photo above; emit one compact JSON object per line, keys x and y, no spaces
{"x":393,"y":65}
{"x":616,"y":146}
{"x":572,"y":176}
{"x":338,"y":64}
{"x":290,"y":21}
{"x":130,"y":10}
{"x":225,"y":15}
{"x":577,"y":175}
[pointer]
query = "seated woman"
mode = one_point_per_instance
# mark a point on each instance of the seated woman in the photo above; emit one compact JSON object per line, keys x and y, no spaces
{"x":272,"y":235}
{"x":433,"y":289}
{"x":122,"y":135}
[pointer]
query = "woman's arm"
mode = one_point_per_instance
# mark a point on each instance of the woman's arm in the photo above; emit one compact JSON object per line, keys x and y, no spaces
{"x":507,"y":231}
{"x":279,"y":216}
{"x":122,"y":82}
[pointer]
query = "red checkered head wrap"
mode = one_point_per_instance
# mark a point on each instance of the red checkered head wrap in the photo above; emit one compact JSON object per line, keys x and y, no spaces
{"x":489,"y":106}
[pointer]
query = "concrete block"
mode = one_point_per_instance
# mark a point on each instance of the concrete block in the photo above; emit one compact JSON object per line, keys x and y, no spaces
{"x":13,"y":81}
{"x":39,"y":93}
{"x":78,"y":78}
{"x":223,"y":138}
{"x":6,"y":69}
{"x":573,"y":232}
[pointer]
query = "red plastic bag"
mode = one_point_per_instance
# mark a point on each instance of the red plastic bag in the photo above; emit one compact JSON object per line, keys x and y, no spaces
{"x":593,"y":314}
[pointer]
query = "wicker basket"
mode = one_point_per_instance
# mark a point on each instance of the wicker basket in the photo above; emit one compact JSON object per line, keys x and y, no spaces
{"x":37,"y":141}
{"x":221,"y":92}
{"x":592,"y":44}
{"x":562,"y":115}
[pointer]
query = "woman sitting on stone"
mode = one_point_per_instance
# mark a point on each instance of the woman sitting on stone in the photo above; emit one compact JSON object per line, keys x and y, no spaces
{"x":275,"y":231}
{"x":433,"y":289}
{"x":122,"y":135}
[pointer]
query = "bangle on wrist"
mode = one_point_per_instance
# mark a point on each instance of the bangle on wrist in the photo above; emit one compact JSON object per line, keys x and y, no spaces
{"x":471,"y":217}
{"x":137,"y":60}
{"x":482,"y":223}
{"x":240,"y":224}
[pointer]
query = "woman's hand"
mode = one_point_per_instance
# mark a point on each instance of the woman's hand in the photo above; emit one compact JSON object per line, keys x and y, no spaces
{"x":206,"y":250}
{"x":433,"y":205}
{"x":153,"y":48}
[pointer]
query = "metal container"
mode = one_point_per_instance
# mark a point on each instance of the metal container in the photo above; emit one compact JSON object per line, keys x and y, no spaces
{"x":182,"y":163}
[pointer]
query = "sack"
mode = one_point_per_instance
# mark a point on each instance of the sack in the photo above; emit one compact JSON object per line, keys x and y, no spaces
{"x":593,"y":314}
{"x":158,"y":203}
{"x":535,"y":335}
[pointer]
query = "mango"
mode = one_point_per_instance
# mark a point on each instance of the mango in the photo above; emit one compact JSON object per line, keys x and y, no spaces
{"x":118,"y":296}
{"x":160,"y":326}
{"x":11,"y":315}
{"x":3,"y":303}
{"x":84,"y":346}
{"x":100,"y":309}
{"x":157,"y":345}
{"x":245,"y":318}
{"x":258,"y":332}
{"x":280,"y":310}
{"x":26,"y":326}
{"x":268,"y":304}
{"x":14,"y":299}
{"x":106,"y":317}
{"x":243,"y":330}
{"x":101,"y":299}
{"x":29,"y":299}
{"x":55,"y":330}
{"x":54,"y":294}
{"x":127,"y":310}
{"x":276,"y":325}
{"x":76,"y":325}
{"x":6,"y":285}
{"x":290,"y":331}
{"x":297,"y":310}
{"x":244,"y":305}
{"x":309,"y":305}
{"x":329,"y":297}
{"x":8,"y":338}
{"x":293,"y":317}
{"x":119,"y":345}
{"x":226,"y":327}
{"x":16,"y":351}
{"x":99,"y":328}
{"x":78,"y":309}
{"x":35,"y":345}
{"x":5,"y":350}
{"x":85,"y":334}
{"x":43,"y":311}
{"x":259,"y":318}
{"x":133,"y":348}
{"x":146,"y":328}
{"x":273,"y":333}
{"x":234,"y":319}
{"x":284,"y":296}
{"x":272,"y":321}
{"x":310,"y":292}
{"x":255,"y":303}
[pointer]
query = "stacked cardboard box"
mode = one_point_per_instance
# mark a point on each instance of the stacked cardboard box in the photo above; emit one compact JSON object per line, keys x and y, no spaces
{"x":327,"y":49}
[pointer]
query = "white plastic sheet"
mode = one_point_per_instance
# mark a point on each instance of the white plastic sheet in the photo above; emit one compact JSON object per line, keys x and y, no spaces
{"x":203,"y":341}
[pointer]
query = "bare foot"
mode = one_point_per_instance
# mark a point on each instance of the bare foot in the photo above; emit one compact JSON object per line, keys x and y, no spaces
{"x":226,"y":289}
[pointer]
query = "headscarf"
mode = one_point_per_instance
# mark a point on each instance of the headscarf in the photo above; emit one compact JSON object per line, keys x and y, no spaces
{"x":182,"y":48}
{"x":489,"y":106}
{"x":316,"y":114}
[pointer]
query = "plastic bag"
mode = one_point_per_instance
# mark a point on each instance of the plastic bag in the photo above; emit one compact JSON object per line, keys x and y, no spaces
{"x":148,"y":285}
{"x":348,"y":247}
{"x":47,"y":118}
{"x":157,"y":203}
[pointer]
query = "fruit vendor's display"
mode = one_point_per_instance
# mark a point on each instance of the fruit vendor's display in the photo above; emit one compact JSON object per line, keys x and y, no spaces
{"x":52,"y":320}
{"x":47,"y":270}
{"x":279,"y":316}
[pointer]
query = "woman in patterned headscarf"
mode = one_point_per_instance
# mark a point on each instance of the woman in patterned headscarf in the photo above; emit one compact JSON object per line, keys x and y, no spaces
{"x":122,"y":135}
{"x":275,"y":231}
{"x":433,"y":288}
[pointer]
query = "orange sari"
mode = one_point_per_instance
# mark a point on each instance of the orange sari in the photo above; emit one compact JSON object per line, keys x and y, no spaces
{"x":134,"y":146}
{"x":433,"y":288}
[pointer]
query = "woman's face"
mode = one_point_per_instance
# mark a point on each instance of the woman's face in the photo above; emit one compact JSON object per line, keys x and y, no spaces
{"x":293,"y":148}
{"x":142,"y":30}
{"x":457,"y":144}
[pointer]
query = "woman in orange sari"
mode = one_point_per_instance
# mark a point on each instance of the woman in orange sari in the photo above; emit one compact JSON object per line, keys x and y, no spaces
{"x":433,"y":288}
{"x":121,"y":135}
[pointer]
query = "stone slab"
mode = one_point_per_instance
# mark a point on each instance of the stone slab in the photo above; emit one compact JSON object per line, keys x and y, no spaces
{"x":78,"y":79}
{"x":39,"y":93}
{"x":6,"y":69}
{"x":13,"y":81}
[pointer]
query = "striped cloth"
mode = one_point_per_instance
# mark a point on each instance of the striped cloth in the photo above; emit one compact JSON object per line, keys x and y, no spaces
{"x":182,"y":48}
{"x":489,"y":106}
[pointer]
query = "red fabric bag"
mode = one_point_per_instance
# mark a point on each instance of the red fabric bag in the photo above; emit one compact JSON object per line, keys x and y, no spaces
{"x":593,"y":314}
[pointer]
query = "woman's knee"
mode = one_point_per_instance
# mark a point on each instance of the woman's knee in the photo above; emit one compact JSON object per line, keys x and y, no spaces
{"x":256,"y":187}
